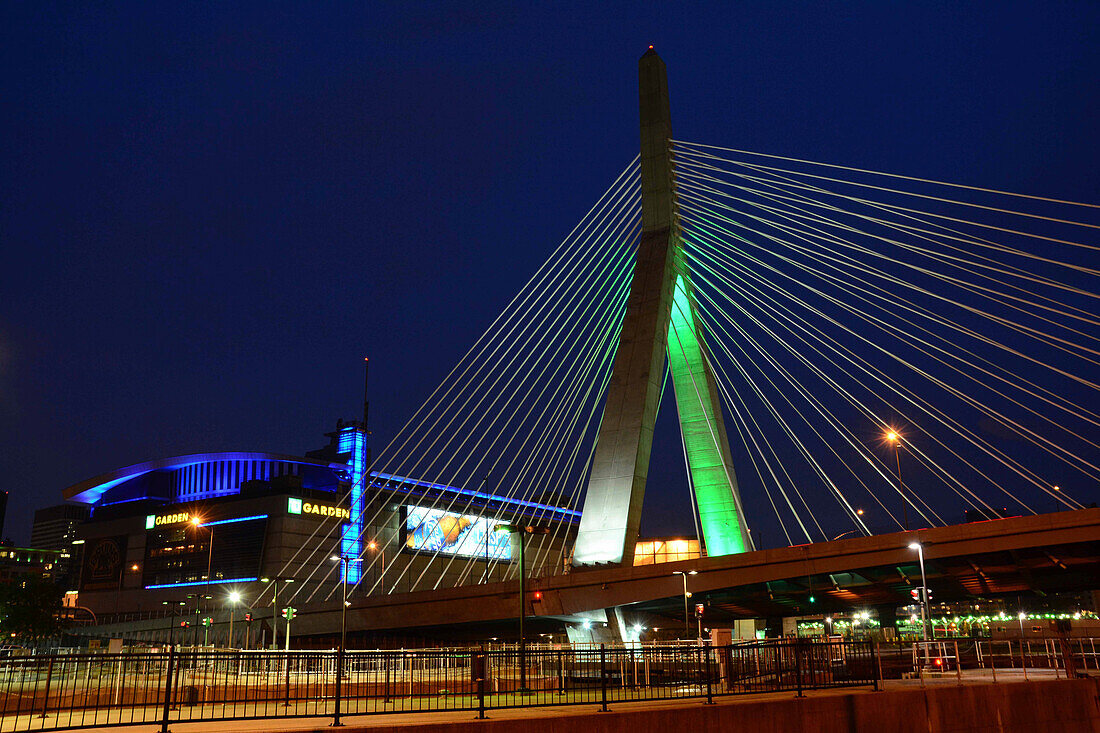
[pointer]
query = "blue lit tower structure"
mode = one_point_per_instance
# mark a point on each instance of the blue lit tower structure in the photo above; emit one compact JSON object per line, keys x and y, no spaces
{"x":352,"y":447}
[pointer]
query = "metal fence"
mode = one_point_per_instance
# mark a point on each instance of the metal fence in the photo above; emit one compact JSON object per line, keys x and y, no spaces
{"x":1053,"y":655}
{"x":53,"y":692}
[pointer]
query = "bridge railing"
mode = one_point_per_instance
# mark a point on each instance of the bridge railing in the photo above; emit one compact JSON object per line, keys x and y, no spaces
{"x":55,"y":692}
{"x":1050,"y":656}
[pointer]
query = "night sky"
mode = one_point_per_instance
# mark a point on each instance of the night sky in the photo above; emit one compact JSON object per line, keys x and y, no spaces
{"x":210,"y":213}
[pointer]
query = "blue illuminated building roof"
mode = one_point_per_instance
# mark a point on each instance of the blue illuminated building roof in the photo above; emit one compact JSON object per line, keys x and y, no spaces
{"x":209,"y":475}
{"x":197,"y":476}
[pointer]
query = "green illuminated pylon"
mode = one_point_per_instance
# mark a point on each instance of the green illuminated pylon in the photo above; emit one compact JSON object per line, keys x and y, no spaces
{"x":704,"y":431}
{"x":659,"y":314}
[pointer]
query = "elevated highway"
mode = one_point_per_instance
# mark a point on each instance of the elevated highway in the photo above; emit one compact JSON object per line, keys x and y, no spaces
{"x":1041,"y":554}
{"x":1019,"y":557}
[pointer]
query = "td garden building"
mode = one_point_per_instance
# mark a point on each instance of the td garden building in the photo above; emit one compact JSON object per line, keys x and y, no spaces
{"x":175,"y":535}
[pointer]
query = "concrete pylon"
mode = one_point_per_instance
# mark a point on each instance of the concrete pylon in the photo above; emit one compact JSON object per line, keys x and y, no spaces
{"x":660,"y":295}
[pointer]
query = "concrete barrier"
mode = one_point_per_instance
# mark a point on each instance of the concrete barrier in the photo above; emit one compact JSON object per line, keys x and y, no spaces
{"x":1052,"y":706}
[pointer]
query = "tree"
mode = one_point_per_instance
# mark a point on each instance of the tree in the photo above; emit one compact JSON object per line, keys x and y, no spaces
{"x":29,"y":609}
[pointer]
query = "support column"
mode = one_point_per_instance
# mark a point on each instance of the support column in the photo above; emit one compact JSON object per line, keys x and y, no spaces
{"x":659,"y":315}
{"x":613,"y":504}
{"x":704,"y":429}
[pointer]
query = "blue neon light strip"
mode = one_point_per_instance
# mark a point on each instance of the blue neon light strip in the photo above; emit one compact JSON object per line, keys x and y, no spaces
{"x":479,"y":494}
{"x":127,"y":501}
{"x":200,"y":582}
{"x":231,"y":521}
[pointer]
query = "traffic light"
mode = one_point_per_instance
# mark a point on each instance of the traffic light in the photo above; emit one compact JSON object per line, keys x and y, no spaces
{"x":289,"y":612}
{"x":812,"y":599}
{"x":248,"y":617}
{"x":915,"y":593}
{"x":207,"y":621}
{"x":184,"y":624}
{"x":538,"y":595}
{"x":699,"y":610}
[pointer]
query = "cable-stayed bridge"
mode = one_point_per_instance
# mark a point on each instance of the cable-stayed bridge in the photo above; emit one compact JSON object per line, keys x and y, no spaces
{"x":800,"y":312}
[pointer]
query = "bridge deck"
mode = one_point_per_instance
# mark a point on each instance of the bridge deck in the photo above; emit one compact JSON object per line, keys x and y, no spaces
{"x":1048,"y":552}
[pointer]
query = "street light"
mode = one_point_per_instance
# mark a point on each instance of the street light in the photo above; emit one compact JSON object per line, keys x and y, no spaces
{"x":275,"y":611}
{"x":172,"y":623}
{"x":199,"y":598}
{"x":198,"y":523}
{"x":121,"y":584}
{"x":522,"y":530}
{"x":234,"y":599}
{"x":343,"y":560}
{"x":923,"y":599}
{"x":687,"y":629}
{"x":373,"y":546}
{"x":895,"y":440}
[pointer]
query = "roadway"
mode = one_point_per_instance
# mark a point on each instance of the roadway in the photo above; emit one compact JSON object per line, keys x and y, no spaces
{"x":1047,"y":553}
{"x":1006,"y":558}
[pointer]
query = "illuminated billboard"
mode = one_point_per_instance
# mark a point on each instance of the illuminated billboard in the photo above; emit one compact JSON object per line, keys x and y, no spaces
{"x":465,"y":535}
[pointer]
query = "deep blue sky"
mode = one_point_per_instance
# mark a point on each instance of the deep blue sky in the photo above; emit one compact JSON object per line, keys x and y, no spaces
{"x":210,"y":213}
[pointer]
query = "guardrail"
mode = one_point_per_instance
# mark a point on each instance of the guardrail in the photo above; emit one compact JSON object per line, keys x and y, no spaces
{"x":1069,"y":656}
{"x":55,"y":692}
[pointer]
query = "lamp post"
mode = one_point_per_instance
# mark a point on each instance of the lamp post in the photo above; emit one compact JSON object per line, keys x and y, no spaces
{"x":372,"y":546}
{"x":172,"y":627}
{"x":923,"y":598}
{"x":895,"y":440}
{"x":682,"y":574}
{"x":522,"y":530}
{"x":234,"y":599}
{"x":122,"y":582}
{"x":344,"y":560}
{"x":199,"y":598}
{"x":275,"y":610}
{"x":198,"y":523}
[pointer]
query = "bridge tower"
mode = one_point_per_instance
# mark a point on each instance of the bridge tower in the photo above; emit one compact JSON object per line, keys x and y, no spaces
{"x":660,"y":318}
